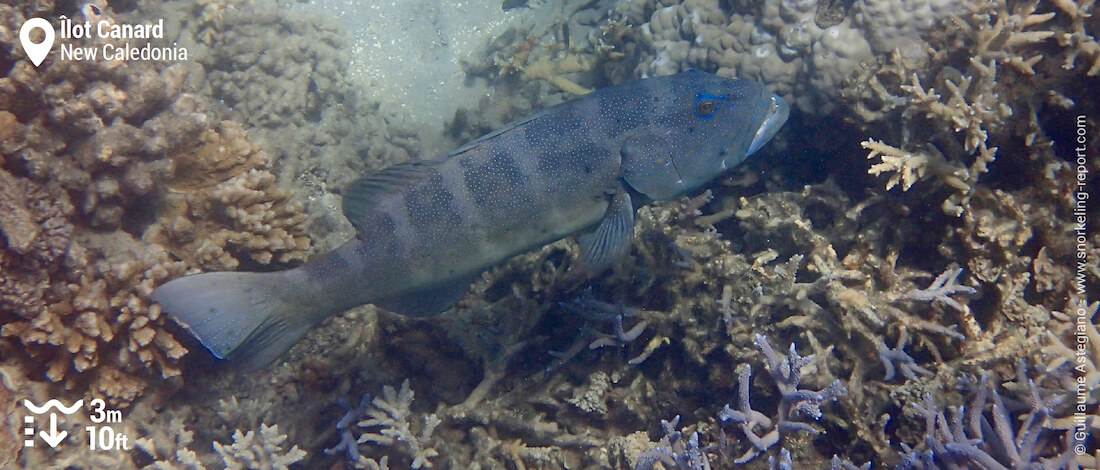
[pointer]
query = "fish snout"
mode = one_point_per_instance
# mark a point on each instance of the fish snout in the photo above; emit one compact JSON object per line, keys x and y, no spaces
{"x":777,"y":112}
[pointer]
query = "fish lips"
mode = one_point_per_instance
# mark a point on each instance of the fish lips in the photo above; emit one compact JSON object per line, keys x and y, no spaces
{"x":778,"y":112}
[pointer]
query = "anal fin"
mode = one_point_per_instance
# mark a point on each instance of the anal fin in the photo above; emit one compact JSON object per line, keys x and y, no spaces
{"x":610,"y":241}
{"x":427,"y":301}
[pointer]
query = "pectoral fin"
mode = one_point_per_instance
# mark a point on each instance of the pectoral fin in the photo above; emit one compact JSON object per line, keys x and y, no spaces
{"x":610,"y":241}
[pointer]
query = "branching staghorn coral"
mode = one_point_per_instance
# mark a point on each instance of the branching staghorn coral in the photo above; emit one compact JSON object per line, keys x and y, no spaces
{"x":908,"y":168}
{"x":673,"y":452}
{"x":1079,"y":42}
{"x":169,"y":448}
{"x":839,"y":284}
{"x":906,"y":363}
{"x":970,"y":107}
{"x":258,"y":451}
{"x":388,"y":424}
{"x":973,"y":436}
{"x":1073,"y":344}
{"x":961,"y":109}
{"x":599,"y":312}
{"x":795,"y":404}
{"x":941,"y":289}
{"x":829,"y":284}
{"x":348,"y":444}
{"x":1005,"y":38}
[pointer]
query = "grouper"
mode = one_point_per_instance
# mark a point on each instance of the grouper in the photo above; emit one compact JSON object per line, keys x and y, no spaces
{"x":426,"y":228}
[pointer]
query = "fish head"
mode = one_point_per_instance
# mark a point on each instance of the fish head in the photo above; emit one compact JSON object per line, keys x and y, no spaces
{"x":725,"y":121}
{"x":703,"y":125}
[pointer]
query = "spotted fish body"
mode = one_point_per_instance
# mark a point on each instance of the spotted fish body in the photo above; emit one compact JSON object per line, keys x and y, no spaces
{"x":426,"y":228}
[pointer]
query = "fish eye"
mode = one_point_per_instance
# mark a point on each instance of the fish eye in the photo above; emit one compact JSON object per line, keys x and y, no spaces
{"x":705,"y":105}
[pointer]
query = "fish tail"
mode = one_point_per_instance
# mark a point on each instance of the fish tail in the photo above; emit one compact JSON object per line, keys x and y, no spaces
{"x":249,"y":319}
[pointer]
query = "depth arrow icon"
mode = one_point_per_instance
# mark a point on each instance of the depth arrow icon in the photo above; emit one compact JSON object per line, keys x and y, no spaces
{"x":53,"y":438}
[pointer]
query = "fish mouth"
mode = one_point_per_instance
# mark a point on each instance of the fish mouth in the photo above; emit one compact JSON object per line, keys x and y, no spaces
{"x":778,"y":111}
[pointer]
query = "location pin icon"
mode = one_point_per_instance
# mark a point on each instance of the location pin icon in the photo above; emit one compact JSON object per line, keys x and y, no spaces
{"x":36,"y":52}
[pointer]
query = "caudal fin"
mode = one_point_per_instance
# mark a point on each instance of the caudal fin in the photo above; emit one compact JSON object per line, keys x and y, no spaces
{"x":248,"y":318}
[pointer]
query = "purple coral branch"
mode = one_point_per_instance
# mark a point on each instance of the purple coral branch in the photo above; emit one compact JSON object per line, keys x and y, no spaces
{"x":977,"y":438}
{"x":348,"y":443}
{"x":941,"y":289}
{"x":838,"y":464}
{"x":592,"y":310}
{"x":794,"y":404}
{"x":908,"y":365}
{"x":674,"y":452}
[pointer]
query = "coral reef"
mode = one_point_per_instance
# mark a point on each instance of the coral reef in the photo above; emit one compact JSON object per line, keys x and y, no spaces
{"x":795,"y":404}
{"x":918,"y":270}
{"x":78,"y":302}
{"x":989,"y":439}
{"x":835,"y":264}
{"x":786,"y":44}
{"x":82,"y":161}
{"x":223,"y":206}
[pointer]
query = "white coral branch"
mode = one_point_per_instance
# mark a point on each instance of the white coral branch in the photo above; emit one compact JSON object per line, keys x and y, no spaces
{"x":264,"y":450}
{"x":391,"y":413}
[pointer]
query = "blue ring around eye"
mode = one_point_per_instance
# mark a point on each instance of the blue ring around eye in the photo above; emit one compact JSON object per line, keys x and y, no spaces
{"x":705,"y":96}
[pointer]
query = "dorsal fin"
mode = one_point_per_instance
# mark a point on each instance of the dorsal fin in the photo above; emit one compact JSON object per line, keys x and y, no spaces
{"x":362,"y":194}
{"x":507,"y":127}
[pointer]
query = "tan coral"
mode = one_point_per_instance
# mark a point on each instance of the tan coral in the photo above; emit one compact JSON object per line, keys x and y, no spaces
{"x":1005,"y":37}
{"x":224,"y":151}
{"x":103,"y":324}
{"x":83,"y":160}
{"x":1077,"y":41}
{"x":168,"y":447}
{"x":906,"y":167}
{"x":225,"y":207}
{"x":554,"y":72}
{"x":971,"y":108}
{"x":259,"y":450}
